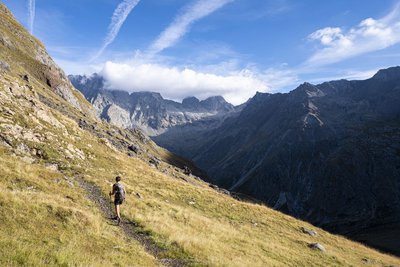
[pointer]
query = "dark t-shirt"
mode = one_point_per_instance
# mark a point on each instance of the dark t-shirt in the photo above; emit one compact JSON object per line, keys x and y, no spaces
{"x":119,"y":191}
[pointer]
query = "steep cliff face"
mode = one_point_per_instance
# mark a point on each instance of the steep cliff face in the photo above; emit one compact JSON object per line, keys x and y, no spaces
{"x":147,"y":111}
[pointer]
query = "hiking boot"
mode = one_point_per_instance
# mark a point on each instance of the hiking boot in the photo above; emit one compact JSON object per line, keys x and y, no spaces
{"x":118,"y":220}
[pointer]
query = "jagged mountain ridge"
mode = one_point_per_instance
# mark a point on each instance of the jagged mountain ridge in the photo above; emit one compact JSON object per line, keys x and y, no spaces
{"x":147,"y":111}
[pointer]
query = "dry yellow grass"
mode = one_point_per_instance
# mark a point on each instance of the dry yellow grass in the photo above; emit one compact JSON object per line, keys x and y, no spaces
{"x":46,"y":221}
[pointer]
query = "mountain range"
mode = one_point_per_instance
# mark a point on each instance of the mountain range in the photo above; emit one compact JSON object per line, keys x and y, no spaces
{"x":148,"y":111}
{"x":327,"y":153}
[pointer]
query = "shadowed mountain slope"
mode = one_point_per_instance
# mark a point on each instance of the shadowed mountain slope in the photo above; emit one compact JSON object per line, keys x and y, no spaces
{"x":327,"y":153}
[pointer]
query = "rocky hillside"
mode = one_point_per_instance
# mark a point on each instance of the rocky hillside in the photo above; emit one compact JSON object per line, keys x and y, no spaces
{"x":327,"y":153}
{"x":148,"y":111}
{"x":58,"y":163}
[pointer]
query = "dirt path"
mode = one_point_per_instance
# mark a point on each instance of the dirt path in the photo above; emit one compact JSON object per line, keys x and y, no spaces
{"x":130,"y":228}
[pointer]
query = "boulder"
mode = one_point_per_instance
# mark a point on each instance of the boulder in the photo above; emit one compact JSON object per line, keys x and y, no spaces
{"x":187,"y":170}
{"x":25,"y":77}
{"x":224,"y":191}
{"x":309,"y":231}
{"x":4,"y":66}
{"x":317,"y":246}
{"x":213,"y":186}
{"x":154,"y":161}
{"x":134,"y":148}
{"x":23,"y":148}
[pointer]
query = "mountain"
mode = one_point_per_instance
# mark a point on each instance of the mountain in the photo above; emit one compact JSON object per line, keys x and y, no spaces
{"x":314,"y":153}
{"x":147,"y":111}
{"x":327,"y":153}
{"x":58,"y":162}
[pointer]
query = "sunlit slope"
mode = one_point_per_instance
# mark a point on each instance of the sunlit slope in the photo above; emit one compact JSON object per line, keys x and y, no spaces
{"x":49,"y":142}
{"x":47,"y":220}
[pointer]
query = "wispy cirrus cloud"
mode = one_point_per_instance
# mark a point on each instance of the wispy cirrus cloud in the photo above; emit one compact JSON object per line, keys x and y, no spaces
{"x":31,"y":14}
{"x":181,"y":24}
{"x":117,"y":20}
{"x":368,"y":36}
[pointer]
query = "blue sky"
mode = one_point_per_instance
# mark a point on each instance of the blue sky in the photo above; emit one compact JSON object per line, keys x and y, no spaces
{"x":231,"y":48}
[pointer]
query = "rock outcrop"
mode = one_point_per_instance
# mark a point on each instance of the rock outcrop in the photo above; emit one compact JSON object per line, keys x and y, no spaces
{"x":36,"y":64}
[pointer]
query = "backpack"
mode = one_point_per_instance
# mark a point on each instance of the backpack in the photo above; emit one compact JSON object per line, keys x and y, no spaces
{"x":119,"y":191}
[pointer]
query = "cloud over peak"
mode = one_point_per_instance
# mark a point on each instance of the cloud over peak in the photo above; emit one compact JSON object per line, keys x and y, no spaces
{"x":178,"y":83}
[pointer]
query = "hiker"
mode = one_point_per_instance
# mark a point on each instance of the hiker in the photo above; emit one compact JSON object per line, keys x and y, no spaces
{"x":118,"y":191}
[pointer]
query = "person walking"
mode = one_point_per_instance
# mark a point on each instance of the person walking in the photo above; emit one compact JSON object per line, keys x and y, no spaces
{"x":118,"y":190}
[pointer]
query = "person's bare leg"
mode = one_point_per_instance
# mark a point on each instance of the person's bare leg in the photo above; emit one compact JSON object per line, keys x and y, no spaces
{"x":117,"y":211}
{"x":116,"y":208}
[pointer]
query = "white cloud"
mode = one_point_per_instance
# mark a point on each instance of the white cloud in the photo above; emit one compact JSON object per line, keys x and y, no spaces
{"x":175,"y":83}
{"x":117,"y":20}
{"x":31,"y":14}
{"x":328,"y":36}
{"x":181,"y":24}
{"x":368,"y":36}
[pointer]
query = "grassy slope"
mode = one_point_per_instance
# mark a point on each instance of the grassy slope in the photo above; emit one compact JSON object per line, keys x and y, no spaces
{"x":46,"y":218}
{"x":46,"y":221}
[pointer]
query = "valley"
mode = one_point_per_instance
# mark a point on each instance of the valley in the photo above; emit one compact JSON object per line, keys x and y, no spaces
{"x":324,"y":153}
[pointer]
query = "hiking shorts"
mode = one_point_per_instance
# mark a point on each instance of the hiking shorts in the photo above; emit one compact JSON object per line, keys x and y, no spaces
{"x":118,"y":201}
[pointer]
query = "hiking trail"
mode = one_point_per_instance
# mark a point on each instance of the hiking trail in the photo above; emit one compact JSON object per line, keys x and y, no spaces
{"x":131,"y":228}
